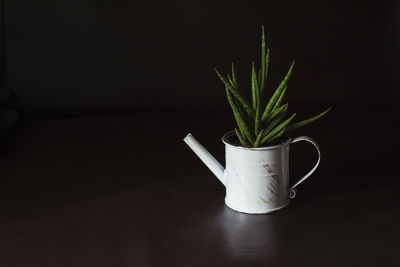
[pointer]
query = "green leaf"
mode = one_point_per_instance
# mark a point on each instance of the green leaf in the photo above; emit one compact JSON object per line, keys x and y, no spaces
{"x":305,"y":122}
{"x":277,"y":129}
{"x":256,"y":99}
{"x":258,"y":139}
{"x":262,"y":91}
{"x":231,"y":82}
{"x":266,"y":65}
{"x":274,"y":114}
{"x":243,"y":127}
{"x":236,"y":94}
{"x":243,"y":114}
{"x":276,"y":136}
{"x":278,"y":91}
{"x":242,"y":141}
{"x":257,"y":122}
{"x":263,"y":63}
{"x":279,"y":101}
{"x":234,"y":76}
{"x":271,"y":124}
{"x":254,"y":87}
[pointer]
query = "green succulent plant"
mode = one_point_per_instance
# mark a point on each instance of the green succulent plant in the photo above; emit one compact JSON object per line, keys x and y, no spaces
{"x":261,"y":123}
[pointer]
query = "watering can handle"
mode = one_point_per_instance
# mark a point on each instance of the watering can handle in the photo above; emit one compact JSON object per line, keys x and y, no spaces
{"x":292,"y":191}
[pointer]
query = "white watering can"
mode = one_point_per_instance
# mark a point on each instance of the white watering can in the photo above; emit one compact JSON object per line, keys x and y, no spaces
{"x":256,"y":179}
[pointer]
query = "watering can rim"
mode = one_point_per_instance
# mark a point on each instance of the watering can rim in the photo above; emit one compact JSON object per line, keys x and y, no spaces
{"x":228,"y":134}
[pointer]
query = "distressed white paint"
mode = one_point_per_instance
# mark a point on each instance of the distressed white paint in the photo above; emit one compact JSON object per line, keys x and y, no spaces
{"x":256,"y":179}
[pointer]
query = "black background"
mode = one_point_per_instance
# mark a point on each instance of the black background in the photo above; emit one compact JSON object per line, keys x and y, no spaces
{"x":96,"y":173}
{"x":77,"y":57}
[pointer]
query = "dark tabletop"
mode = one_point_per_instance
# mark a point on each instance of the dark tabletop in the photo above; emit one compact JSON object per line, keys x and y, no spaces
{"x":127,"y":191}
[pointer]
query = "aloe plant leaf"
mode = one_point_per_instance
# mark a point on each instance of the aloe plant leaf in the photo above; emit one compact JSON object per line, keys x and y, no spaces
{"x":279,"y":101}
{"x":266,"y":65}
{"x":278,"y":91}
{"x":242,"y":141}
{"x":276,"y":136}
{"x":243,"y":114}
{"x":305,"y":122}
{"x":279,"y":112}
{"x":234,"y":76}
{"x":258,"y":139}
{"x":254,"y":87}
{"x":243,"y":127}
{"x":257,"y":122}
{"x":263,"y":57}
{"x":236,"y":94}
{"x":231,"y":82}
{"x":277,"y":129}
{"x":274,"y":122}
{"x":262,"y":90}
{"x":240,"y":123}
{"x":256,"y":99}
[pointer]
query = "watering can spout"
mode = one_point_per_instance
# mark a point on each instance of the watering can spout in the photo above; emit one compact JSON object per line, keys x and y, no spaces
{"x":206,"y":157}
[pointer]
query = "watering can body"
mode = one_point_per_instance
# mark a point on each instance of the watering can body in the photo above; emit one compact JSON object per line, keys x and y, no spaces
{"x":256,"y":179}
